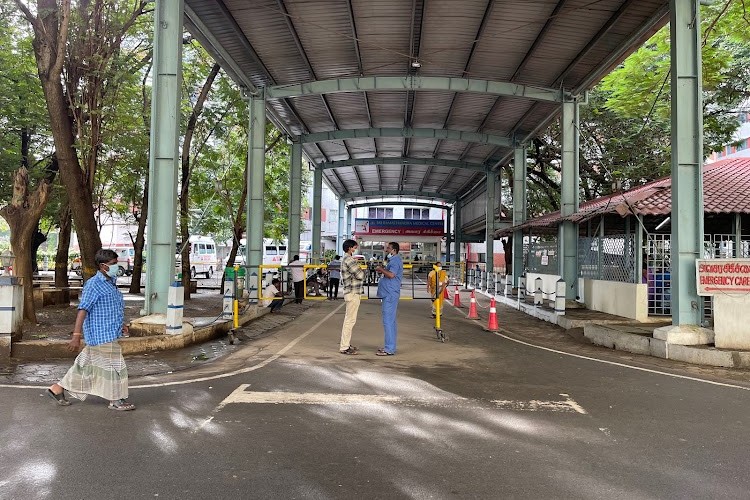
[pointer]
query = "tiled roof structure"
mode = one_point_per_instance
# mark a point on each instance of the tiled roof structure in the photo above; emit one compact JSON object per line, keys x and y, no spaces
{"x":726,"y":189}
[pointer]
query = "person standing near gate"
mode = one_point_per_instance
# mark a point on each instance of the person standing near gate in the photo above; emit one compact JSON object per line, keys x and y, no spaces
{"x":334,"y":274}
{"x":436,"y":282}
{"x":352,"y":277}
{"x":389,"y":290}
{"x":297,"y":268}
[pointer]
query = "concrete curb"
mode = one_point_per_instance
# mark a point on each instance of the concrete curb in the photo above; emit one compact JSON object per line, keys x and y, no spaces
{"x":607,"y":336}
{"x":49,"y":349}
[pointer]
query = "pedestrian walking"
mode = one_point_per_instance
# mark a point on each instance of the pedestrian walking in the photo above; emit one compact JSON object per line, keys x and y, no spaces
{"x":334,"y":274}
{"x":99,"y":369}
{"x":352,"y":277}
{"x":389,"y":290}
{"x":297,"y":269}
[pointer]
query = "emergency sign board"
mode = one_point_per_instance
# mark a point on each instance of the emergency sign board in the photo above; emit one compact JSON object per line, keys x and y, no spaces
{"x":715,"y":276}
{"x":398,"y":227}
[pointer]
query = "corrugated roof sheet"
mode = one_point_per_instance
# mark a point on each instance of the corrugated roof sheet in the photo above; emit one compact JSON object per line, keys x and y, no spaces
{"x":726,"y":189}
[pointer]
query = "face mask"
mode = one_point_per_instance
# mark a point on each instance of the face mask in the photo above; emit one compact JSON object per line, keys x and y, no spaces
{"x":113,"y":268}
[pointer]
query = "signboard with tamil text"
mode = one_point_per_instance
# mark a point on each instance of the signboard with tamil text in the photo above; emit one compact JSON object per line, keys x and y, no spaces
{"x":398,"y":227}
{"x":722,"y":276}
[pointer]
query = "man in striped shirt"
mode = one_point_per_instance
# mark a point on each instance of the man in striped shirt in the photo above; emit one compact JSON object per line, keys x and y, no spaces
{"x":352,"y":277}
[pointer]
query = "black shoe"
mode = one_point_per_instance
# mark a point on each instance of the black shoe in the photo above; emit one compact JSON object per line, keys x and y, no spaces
{"x":350,"y":350}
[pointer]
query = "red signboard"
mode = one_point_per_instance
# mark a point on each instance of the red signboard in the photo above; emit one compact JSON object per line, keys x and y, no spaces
{"x":714,"y":276}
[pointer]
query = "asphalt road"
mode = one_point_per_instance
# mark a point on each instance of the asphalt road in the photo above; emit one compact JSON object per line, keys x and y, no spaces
{"x":482,"y":416}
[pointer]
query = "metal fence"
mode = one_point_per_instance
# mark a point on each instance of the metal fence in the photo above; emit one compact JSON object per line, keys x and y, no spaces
{"x":542,"y":257}
{"x":610,"y":258}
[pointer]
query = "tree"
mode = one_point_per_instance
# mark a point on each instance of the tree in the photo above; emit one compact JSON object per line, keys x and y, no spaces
{"x":74,"y":88}
{"x":22,"y":215}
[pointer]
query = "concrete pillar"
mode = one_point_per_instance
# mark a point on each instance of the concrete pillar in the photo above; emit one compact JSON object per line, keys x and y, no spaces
{"x":255,"y":208}
{"x":316,"y":213}
{"x":519,"y":206}
{"x":568,"y":231}
{"x":687,"y":159}
{"x":163,"y":154}
{"x":11,"y":313}
{"x":340,"y":227}
{"x":295,"y":199}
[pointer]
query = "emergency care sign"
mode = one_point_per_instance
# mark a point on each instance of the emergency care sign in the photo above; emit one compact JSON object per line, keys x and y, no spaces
{"x":714,"y":276}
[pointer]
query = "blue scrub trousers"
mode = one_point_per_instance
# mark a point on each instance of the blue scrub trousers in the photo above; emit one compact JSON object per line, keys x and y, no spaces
{"x":390,"y":304}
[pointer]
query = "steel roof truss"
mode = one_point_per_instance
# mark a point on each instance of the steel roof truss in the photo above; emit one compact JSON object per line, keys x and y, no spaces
{"x":396,"y":193}
{"x":430,"y":83}
{"x":393,"y":160}
{"x":418,"y":133}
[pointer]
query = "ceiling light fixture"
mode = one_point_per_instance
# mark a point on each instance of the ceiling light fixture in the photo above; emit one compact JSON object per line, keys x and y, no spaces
{"x":416,"y":64}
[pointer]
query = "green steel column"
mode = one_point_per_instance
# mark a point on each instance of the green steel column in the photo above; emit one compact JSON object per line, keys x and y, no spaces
{"x":448,"y":235}
{"x":568,"y":232}
{"x":457,"y":223}
{"x":687,"y":159}
{"x":255,"y":181}
{"x":340,"y":227}
{"x":737,"y":236}
{"x":490,"y":223}
{"x":163,"y":154}
{"x":519,"y":208}
{"x":316,"y":212}
{"x":348,"y":230}
{"x":639,"y":249}
{"x":295,"y":199}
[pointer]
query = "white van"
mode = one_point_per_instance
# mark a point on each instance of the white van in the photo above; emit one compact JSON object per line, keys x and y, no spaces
{"x":274,"y":252}
{"x":203,"y":258}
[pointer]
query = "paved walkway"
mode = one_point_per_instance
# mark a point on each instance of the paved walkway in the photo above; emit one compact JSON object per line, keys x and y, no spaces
{"x":416,"y":336}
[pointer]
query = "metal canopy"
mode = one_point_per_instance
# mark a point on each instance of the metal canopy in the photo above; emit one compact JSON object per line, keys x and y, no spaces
{"x":457,"y":82}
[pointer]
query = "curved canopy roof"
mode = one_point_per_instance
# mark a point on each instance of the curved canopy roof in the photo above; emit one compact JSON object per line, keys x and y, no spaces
{"x":414,"y":96}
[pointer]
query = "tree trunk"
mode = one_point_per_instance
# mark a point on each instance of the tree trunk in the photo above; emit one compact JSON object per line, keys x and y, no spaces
{"x":185,"y":179}
{"x":22,"y":215}
{"x":63,"y":247}
{"x":139,"y":243}
{"x":50,"y":39}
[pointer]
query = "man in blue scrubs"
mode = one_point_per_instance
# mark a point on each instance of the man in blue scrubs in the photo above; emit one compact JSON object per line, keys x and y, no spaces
{"x":389,"y":290}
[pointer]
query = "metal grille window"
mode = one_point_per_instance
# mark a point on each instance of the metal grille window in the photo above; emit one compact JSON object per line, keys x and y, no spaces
{"x":542,"y":257}
{"x":657,"y":274}
{"x":610,"y":258}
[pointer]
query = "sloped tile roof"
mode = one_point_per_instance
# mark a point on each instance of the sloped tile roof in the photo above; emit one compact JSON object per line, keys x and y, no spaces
{"x":726,"y":189}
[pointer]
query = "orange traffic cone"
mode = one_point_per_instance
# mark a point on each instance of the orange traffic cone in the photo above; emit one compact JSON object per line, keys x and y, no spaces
{"x":456,"y":299}
{"x":492,"y":323}
{"x":445,"y":293}
{"x":473,"y":307}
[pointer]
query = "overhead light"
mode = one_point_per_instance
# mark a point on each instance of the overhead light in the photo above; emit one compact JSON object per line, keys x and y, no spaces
{"x":416,"y":64}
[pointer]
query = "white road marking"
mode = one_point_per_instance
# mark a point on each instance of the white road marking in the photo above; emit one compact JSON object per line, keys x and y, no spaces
{"x":613,"y":363}
{"x":241,"y":395}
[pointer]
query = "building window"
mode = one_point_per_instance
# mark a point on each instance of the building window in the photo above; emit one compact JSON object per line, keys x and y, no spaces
{"x":417,"y":213}
{"x":380,"y":213}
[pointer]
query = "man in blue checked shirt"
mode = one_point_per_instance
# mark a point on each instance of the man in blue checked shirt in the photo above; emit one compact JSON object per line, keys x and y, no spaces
{"x":99,"y":369}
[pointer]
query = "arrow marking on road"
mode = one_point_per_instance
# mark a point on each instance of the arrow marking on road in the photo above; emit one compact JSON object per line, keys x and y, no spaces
{"x":241,"y":395}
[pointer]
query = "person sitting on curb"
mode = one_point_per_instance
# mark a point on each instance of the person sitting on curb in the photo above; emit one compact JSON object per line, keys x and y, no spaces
{"x":273,"y":297}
